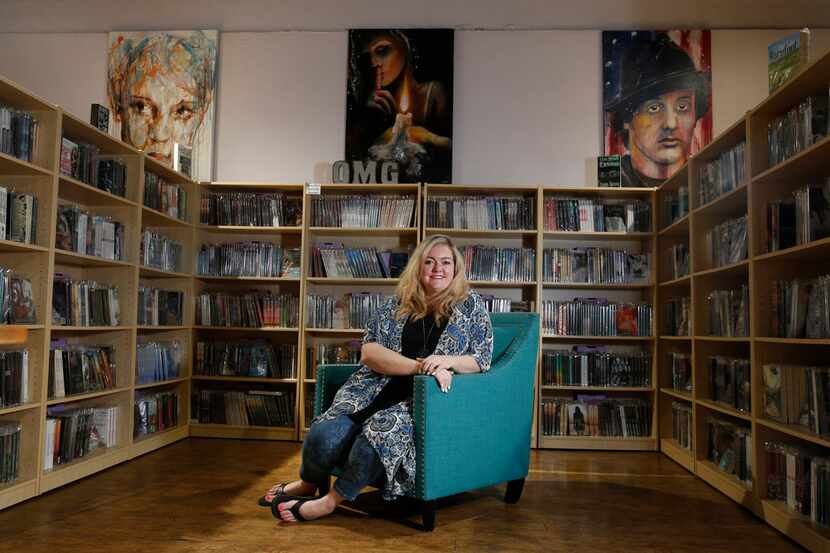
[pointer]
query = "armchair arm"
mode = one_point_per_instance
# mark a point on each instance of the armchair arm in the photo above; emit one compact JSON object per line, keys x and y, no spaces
{"x":329,"y":380}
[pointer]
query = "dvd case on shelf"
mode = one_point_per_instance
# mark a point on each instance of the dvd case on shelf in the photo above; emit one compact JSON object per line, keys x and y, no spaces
{"x":799,"y":477}
{"x":18,"y":216}
{"x":250,"y":209}
{"x":729,"y":312}
{"x":363,"y":211}
{"x":576,"y":214}
{"x":596,"y":415}
{"x":247,"y":259}
{"x":729,"y":448}
{"x":18,"y":133}
{"x":595,"y":366}
{"x":74,"y":433}
{"x":14,"y":378}
{"x":798,"y":129}
{"x":170,"y":199}
{"x":679,"y":256}
{"x":10,"y":448}
{"x":251,"y":358}
{"x":252,"y":310}
{"x":157,"y":361}
{"x":82,"y":232}
{"x":723,"y":174}
{"x":160,"y":307}
{"x":155,"y":412}
{"x":160,"y":252}
{"x":80,"y":369}
{"x":595,"y":317}
{"x":681,"y":424}
{"x":350,"y":311}
{"x":273,"y":408}
{"x":85,"y":163}
{"x":17,"y":305}
{"x":507,"y":305}
{"x":334,"y":260}
{"x":319,"y":354}
{"x":800,"y":308}
{"x":727,"y":242}
{"x":84,"y":303}
{"x":681,"y":371}
{"x":676,"y":205}
{"x":676,"y":316}
{"x":729,"y":382}
{"x":482,"y":212}
{"x":798,"y":395}
{"x":489,"y":263}
{"x":595,"y":266}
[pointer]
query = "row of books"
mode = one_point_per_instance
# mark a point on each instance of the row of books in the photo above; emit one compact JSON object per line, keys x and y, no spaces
{"x":160,"y":307}
{"x":676,"y":316}
{"x":168,"y":198}
{"x":800,"y":478}
{"x":74,"y":433}
{"x":363,"y":211}
{"x":75,"y":369}
{"x":482,"y":212}
{"x":308,"y":401}
{"x":725,"y":173}
{"x":801,"y":219}
{"x":507,"y":305}
{"x":250,"y":209}
{"x":158,"y":361}
{"x":729,"y":448}
{"x":595,"y":266}
{"x":82,"y":232}
{"x":680,"y":365}
{"x":681,"y":424}
{"x":252,"y":358}
{"x":334,"y":260}
{"x":596,"y":215}
{"x":84,"y":303}
{"x":321,"y":354}
{"x":676,"y":204}
{"x":248,"y":259}
{"x":595,"y":317}
{"x":595,"y":366}
{"x":10,"y":448}
{"x":155,"y":412}
{"x":679,"y":255}
{"x":729,"y":312}
{"x":14,"y":377}
{"x":17,"y":305}
{"x":85,"y":163}
{"x":18,"y":133}
{"x":271,"y":408}
{"x":596,"y":416}
{"x":252,"y":310}
{"x":727,"y":242}
{"x":18,"y":216}
{"x":798,"y":395}
{"x":798,"y":129}
{"x":351,"y":311}
{"x":729,"y":382}
{"x":503,"y":264}
{"x":160,"y":252}
{"x":801,"y":308}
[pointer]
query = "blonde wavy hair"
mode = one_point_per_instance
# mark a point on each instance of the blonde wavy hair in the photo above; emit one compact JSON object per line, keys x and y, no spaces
{"x":413,"y":295}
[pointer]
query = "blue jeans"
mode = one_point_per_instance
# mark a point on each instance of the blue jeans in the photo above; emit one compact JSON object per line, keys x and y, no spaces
{"x":338,"y":443}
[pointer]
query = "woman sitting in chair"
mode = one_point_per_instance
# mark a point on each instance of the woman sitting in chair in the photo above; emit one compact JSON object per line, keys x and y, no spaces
{"x":433,"y":325}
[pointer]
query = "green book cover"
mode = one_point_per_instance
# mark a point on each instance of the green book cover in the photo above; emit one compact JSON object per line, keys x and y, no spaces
{"x":786,"y":57}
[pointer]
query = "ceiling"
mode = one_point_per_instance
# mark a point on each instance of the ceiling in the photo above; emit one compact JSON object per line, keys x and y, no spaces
{"x":82,"y":16}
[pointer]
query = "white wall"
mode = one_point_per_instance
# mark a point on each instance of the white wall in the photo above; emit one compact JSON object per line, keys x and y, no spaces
{"x":527,"y":103}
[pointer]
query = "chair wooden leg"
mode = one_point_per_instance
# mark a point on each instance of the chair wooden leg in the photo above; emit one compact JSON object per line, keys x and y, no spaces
{"x":324,"y":487}
{"x":514,"y":490}
{"x":428,"y":514}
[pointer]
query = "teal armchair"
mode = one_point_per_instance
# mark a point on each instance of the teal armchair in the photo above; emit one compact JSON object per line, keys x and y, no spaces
{"x":478,"y":434}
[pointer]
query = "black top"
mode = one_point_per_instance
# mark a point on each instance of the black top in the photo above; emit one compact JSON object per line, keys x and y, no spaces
{"x":399,"y":388}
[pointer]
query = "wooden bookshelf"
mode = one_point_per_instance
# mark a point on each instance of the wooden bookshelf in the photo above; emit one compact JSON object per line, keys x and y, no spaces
{"x":758,"y":271}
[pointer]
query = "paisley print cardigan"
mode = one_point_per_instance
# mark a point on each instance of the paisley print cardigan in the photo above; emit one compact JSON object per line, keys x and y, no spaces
{"x":390,"y":431}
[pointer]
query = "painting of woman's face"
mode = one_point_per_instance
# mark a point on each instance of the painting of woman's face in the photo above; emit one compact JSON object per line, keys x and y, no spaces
{"x":387,"y":57}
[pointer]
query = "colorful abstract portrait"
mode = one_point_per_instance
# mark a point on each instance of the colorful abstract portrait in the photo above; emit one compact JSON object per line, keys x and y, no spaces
{"x":657,"y":97}
{"x":399,"y":101}
{"x":161,"y":88}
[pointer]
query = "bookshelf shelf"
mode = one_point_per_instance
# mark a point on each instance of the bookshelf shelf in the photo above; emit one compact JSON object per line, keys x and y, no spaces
{"x":355,"y":331}
{"x":247,"y":329}
{"x":235,"y":229}
{"x":803,"y":165}
{"x":678,"y":454}
{"x":682,"y":281}
{"x":19,"y":247}
{"x":152,"y":218}
{"x":161,"y":383}
{"x":149,"y":272}
{"x":10,"y":165}
{"x":676,"y":338}
{"x":599,"y":443}
{"x":17,"y":492}
{"x":159,"y":328}
{"x":246,"y":279}
{"x":804,"y":530}
{"x":639,"y":389}
{"x":794,"y":341}
{"x":726,"y":270}
{"x":723,"y":338}
{"x":684,"y":396}
{"x":359,"y":231}
{"x":241,"y":432}
{"x":599,"y":236}
{"x":363,"y":281}
{"x":479,"y":233}
{"x":244,"y":379}
{"x":680,"y":227}
{"x":726,"y":483}
{"x":82,"y":397}
{"x":587,"y":286}
{"x":731,"y":203}
{"x":553,"y":337}
{"x":724,"y":409}
{"x":64,"y":257}
{"x":165,"y":171}
{"x":795,"y":431}
{"x":75,"y":191}
{"x":152,"y":442}
{"x":90,"y":328}
{"x":309,"y":381}
{"x":814,"y":249}
{"x":19,"y":408}
{"x":500,"y":284}
{"x":91,"y":463}
{"x":625,"y":191}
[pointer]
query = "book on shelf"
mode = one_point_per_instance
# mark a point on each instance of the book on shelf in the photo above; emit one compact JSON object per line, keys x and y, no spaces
{"x":350,"y":311}
{"x":168,"y":198}
{"x":729,"y":382}
{"x":335,"y":260}
{"x":595,"y":266}
{"x":82,"y":232}
{"x":595,"y":366}
{"x":17,"y":304}
{"x":679,"y":256}
{"x":160,"y":252}
{"x":309,"y":410}
{"x":676,"y":204}
{"x":157,"y":361}
{"x":799,"y":128}
{"x":75,"y":369}
{"x":250,"y":209}
{"x":680,"y":365}
{"x":99,"y":117}
{"x":84,"y":303}
{"x":252,"y":310}
{"x":489,"y":263}
{"x":155,"y":412}
{"x":609,"y":171}
{"x":18,"y":133}
{"x":786,"y":57}
{"x":363,"y":210}
{"x":596,"y":416}
{"x":247,"y":259}
{"x":729,"y":448}
{"x":801,"y":219}
{"x":85,"y":163}
{"x":320,"y":354}
{"x":726,"y":242}
{"x":160,"y":307}
{"x":274,"y":408}
{"x":482,"y":212}
{"x":10,"y":447}
{"x":677,"y":316}
{"x":798,"y":395}
{"x":249,"y":358}
{"x":18,"y":216}
{"x":575,"y":214}
{"x":722,"y":174}
{"x":800,"y":308}
{"x":729,"y":312}
{"x":14,"y":377}
{"x":681,"y":424}
{"x":595,"y":317}
{"x":74,"y":433}
{"x":183,"y":159}
{"x":799,"y":477}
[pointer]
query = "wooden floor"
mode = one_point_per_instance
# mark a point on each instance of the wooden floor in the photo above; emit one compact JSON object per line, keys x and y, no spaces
{"x":200,"y":495}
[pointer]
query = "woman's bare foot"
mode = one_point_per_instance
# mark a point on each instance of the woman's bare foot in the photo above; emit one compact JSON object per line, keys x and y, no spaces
{"x":310,"y":510}
{"x":297,"y":487}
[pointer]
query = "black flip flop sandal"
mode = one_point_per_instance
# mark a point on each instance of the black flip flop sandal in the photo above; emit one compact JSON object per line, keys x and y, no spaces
{"x":278,"y":491}
{"x":294,"y":509}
